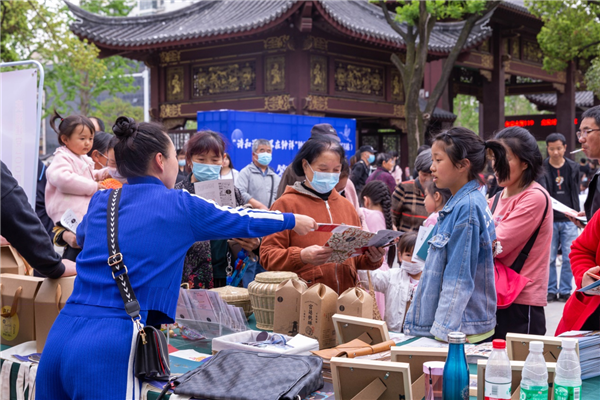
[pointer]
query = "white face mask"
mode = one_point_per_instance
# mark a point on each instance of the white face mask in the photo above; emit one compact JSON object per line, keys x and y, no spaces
{"x":412,"y":268}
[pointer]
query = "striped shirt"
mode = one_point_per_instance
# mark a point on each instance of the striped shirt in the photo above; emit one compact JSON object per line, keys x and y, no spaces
{"x":408,"y":206}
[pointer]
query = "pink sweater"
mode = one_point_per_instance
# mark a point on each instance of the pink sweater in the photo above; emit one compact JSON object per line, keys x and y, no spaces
{"x":516,"y":219}
{"x":70,"y":184}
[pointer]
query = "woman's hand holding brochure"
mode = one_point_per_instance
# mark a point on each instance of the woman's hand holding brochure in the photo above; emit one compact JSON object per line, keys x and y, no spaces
{"x":591,"y":282}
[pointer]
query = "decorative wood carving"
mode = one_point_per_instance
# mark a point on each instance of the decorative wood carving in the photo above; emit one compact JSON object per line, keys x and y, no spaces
{"x":170,"y":56}
{"x":274,"y":74}
{"x":487,"y":61}
{"x":486,"y":74}
{"x":219,"y":79}
{"x":318,"y":74}
{"x":515,"y":49}
{"x":398,"y":123}
{"x":277,"y":42}
{"x":559,"y":87}
{"x":485,"y":46}
{"x":175,"y":83}
{"x":172,"y":123}
{"x":170,"y":110}
{"x":316,"y":43}
{"x":532,"y":52}
{"x":353,"y":78}
{"x":278,"y":103}
{"x":397,"y":87}
{"x":399,"y":111}
{"x":317,"y":103}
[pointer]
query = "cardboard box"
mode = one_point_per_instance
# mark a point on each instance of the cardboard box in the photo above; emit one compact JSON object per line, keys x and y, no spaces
{"x":18,"y":317}
{"x":51,"y":298}
{"x":11,"y":261}
{"x":318,"y":306}
{"x":288,"y":296}
{"x":355,"y":302}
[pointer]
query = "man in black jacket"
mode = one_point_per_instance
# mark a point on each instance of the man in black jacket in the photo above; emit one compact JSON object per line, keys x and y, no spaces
{"x":22,"y":228}
{"x":561,"y":180}
{"x":361,"y":170}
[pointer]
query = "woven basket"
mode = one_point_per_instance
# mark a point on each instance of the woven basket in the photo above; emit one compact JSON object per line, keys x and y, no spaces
{"x":262,"y":296}
{"x":235,"y":296}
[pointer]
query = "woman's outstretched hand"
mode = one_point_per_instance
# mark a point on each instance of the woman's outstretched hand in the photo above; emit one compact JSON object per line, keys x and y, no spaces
{"x":304,"y":224}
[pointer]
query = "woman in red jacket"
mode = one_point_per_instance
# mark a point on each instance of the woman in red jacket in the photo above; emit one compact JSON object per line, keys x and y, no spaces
{"x":582,"y":311}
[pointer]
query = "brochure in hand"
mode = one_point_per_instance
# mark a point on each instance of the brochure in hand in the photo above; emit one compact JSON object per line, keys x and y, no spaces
{"x":593,"y":288}
{"x":569,"y":212}
{"x":221,"y":191}
{"x":351,"y":241}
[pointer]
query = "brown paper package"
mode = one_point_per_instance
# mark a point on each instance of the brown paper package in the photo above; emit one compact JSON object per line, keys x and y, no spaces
{"x":11,"y":261}
{"x":318,"y":306}
{"x":18,"y":316}
{"x":288,"y":297}
{"x":355,"y":302}
{"x":51,"y":298}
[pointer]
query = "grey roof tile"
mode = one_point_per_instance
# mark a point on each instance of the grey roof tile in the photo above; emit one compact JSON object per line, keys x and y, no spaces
{"x":582,"y":99}
{"x":210,"y":18}
{"x":438,"y":113}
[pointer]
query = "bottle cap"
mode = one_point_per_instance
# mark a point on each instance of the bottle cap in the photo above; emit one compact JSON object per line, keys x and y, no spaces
{"x":569,"y":343}
{"x":536,"y":346}
{"x":499,"y":344}
{"x":457,"y":337}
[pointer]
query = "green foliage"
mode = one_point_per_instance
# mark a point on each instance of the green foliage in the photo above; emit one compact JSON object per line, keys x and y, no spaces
{"x":592,"y":77}
{"x":467,"y":110}
{"x":571,"y":30}
{"x":111,"y":109}
{"x":409,"y":11}
{"x":519,"y":105}
{"x":75,"y":75}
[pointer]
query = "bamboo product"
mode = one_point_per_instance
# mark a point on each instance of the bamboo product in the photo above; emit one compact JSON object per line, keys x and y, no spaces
{"x":237,"y":297}
{"x":262,"y":296}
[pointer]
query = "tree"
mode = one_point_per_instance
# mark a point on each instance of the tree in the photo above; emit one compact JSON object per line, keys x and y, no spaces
{"x":110,"y":109}
{"x":571,"y":32}
{"x":75,"y":76}
{"x":414,"y":21}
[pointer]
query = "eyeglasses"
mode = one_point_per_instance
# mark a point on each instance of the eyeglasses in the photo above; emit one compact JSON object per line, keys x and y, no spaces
{"x":585,"y":132}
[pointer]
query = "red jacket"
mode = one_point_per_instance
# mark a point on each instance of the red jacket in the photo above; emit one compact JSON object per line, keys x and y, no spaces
{"x":585,"y":254}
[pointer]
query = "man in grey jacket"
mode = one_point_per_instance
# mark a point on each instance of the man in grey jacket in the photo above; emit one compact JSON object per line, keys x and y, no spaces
{"x":257,"y":182}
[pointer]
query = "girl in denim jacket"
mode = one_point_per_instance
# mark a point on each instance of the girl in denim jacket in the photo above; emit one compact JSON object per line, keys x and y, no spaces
{"x":457,"y":291}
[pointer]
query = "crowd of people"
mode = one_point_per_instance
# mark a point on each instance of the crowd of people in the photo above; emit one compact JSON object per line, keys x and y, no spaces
{"x":487,"y":204}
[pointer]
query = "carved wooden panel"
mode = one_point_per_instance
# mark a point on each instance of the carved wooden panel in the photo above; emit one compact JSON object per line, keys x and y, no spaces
{"x":274,"y":74}
{"x":397,"y":87}
{"x":318,"y":74}
{"x":175,"y":83}
{"x":532,"y":52}
{"x":515,"y":50}
{"x":360,"y":79}
{"x":485,"y":46}
{"x":227,"y":78}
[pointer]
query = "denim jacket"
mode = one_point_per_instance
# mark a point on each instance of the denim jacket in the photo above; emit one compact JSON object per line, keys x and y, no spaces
{"x":457,"y":290}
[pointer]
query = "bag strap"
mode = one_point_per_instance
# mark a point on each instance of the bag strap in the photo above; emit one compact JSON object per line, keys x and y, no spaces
{"x":496,"y":199}
{"x":115,"y":261}
{"x":522,"y":257}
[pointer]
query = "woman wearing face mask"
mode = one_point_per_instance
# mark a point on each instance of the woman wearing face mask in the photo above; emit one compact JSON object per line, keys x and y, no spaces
{"x":206,"y":262}
{"x":320,"y":162}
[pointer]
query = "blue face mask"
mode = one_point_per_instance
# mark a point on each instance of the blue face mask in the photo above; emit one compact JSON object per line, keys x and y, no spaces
{"x":181,"y":163}
{"x":324,"y":182}
{"x":264,"y":158}
{"x":371,"y":159}
{"x":206,"y":172}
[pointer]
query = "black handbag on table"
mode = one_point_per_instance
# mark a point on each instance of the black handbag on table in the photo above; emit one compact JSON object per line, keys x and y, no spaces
{"x":151,"y":353}
{"x":247,"y":375}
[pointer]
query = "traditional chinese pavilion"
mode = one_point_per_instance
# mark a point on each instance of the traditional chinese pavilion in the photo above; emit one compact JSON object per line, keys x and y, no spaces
{"x":324,"y":58}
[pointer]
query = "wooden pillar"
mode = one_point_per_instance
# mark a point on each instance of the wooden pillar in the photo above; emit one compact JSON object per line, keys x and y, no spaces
{"x":492,"y":108}
{"x":565,"y":109}
{"x":433,"y":71}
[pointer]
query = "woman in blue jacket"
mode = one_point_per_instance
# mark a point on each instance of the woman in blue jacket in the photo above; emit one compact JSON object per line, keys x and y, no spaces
{"x":90,"y":349}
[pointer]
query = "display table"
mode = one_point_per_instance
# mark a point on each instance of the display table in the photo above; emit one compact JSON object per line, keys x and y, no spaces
{"x":590,"y":389}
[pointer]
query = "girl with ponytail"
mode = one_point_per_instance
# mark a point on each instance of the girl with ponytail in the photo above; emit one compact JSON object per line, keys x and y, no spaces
{"x":518,"y":213}
{"x":456,"y":291}
{"x":377,"y":215}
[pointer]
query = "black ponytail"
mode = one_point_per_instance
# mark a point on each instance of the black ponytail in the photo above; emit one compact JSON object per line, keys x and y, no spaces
{"x":379,"y":194}
{"x":501,"y":167}
{"x":523,"y":146}
{"x":70,"y":125}
{"x":463,"y":144}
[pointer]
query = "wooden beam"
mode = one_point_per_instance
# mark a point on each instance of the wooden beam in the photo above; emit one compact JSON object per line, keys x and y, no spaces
{"x":530,"y":88}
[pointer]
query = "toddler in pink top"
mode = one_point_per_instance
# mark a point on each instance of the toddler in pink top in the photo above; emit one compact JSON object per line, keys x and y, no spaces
{"x":71,"y":177}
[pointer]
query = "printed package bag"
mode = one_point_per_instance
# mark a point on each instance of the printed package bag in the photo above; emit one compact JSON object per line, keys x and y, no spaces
{"x":356,"y":302}
{"x":11,"y":261}
{"x":51,"y":298}
{"x":288,"y":298}
{"x":18,"y":318}
{"x":317,"y":308}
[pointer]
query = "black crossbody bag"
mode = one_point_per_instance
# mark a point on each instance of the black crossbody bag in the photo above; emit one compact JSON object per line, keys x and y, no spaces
{"x":151,"y":353}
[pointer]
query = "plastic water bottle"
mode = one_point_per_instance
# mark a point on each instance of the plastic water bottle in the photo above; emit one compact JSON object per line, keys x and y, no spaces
{"x":498,"y":375}
{"x":455,"y":384}
{"x":534,"y":381}
{"x":567,"y":383}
